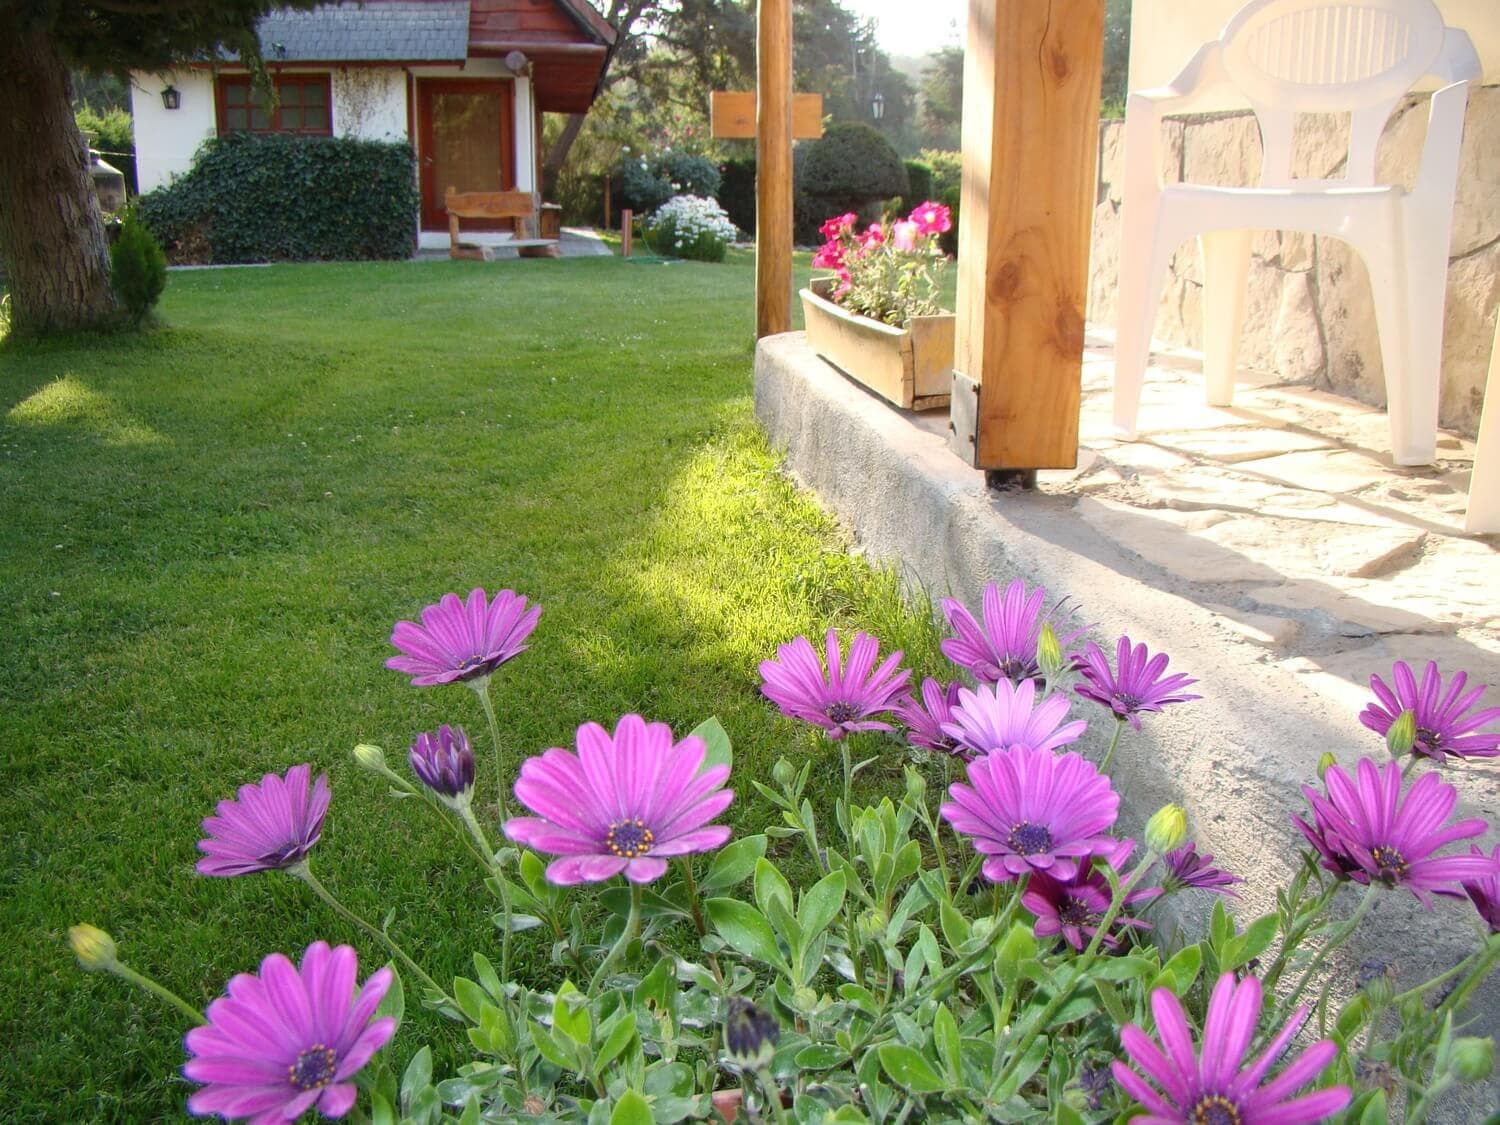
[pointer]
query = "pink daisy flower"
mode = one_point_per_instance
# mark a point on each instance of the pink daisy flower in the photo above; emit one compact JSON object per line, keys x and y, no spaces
{"x":463,"y":641}
{"x":267,"y":827}
{"x":846,"y":697}
{"x":1001,"y":717}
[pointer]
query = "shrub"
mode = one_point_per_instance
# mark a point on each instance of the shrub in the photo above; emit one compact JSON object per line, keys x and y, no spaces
{"x":252,"y":198}
{"x":114,"y":133}
{"x":690,"y":226}
{"x":137,"y":267}
{"x":737,"y":192}
{"x":919,"y":175}
{"x":850,"y":167}
{"x":649,"y":181}
{"x":947,"y":177}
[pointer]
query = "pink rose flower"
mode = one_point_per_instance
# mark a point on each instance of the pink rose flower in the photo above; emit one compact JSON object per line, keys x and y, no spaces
{"x":829,"y":256}
{"x":932,"y":218}
{"x":838,"y":225}
{"x":874,"y":236}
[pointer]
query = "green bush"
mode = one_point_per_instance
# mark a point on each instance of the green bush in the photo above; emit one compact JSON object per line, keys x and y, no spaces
{"x":919,"y":175}
{"x":251,"y":198}
{"x":648,"y":182}
{"x":737,"y":192}
{"x":851,"y":167}
{"x":137,"y":267}
{"x":947,"y":177}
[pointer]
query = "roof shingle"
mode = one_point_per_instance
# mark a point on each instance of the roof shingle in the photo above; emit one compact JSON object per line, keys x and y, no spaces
{"x":378,"y":31}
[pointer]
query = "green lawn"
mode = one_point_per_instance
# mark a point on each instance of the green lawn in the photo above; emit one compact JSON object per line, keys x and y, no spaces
{"x":206,"y":534}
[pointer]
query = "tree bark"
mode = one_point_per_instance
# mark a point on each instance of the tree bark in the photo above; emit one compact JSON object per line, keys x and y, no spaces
{"x":52,"y":244}
{"x":557,"y":153}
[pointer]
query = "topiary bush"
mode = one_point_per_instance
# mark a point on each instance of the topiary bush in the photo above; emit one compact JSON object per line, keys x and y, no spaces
{"x":649,"y":181}
{"x":919,"y":175}
{"x":947,"y":176}
{"x":251,"y":198}
{"x":137,"y":267}
{"x":850,"y":167}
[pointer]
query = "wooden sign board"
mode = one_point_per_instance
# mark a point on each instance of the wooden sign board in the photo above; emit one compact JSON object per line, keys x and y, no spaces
{"x":731,"y":115}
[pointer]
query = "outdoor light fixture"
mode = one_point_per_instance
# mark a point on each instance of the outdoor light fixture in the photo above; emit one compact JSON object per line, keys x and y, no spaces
{"x":170,"y":98}
{"x":877,"y":106}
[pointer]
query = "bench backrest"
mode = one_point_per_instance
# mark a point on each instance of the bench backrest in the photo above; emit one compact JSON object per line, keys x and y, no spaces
{"x":489,"y":204}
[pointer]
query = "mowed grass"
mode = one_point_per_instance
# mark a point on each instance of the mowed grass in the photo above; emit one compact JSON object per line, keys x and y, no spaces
{"x":206,"y":534}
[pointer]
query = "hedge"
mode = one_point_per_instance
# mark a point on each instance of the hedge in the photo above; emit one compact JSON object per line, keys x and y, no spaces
{"x":259,"y":198}
{"x":737,"y":192}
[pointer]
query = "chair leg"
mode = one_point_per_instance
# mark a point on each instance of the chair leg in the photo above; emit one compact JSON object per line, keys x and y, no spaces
{"x":1226,"y":262}
{"x":1408,"y":291}
{"x":1143,"y":268}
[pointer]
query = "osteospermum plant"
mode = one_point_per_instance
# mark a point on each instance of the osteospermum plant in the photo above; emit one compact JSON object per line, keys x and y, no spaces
{"x":980,"y":942}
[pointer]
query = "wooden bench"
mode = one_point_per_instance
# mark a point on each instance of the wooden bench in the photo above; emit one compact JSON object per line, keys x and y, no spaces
{"x":520,"y":206}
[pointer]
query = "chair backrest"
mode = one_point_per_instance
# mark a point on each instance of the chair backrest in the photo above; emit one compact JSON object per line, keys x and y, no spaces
{"x":1330,"y":56}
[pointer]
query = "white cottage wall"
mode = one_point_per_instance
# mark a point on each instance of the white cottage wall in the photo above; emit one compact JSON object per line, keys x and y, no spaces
{"x":165,"y":139}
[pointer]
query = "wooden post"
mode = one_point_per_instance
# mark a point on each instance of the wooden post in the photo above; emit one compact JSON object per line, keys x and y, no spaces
{"x":627,"y":224}
{"x":608,"y":210}
{"x":1030,"y":141}
{"x":773,"y":167}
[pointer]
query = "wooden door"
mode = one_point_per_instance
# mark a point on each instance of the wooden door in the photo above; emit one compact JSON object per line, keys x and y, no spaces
{"x":465,"y":140}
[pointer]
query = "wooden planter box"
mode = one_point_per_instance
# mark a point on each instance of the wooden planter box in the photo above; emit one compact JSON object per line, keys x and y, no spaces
{"x":910,"y":366}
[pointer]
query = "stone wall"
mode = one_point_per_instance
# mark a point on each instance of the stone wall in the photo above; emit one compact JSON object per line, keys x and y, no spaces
{"x":1309,"y":316}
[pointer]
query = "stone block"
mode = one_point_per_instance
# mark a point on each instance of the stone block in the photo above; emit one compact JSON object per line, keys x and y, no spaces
{"x":1297,"y":338}
{"x":1222,"y":150}
{"x":1351,"y":337}
{"x":1468,"y":335}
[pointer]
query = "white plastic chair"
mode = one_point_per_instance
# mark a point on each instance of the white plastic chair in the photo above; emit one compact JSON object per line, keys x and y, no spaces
{"x":1305,"y":56}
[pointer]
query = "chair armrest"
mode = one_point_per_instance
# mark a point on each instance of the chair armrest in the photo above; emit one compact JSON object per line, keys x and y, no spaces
{"x":1437,"y":175}
{"x":1144,"y":110}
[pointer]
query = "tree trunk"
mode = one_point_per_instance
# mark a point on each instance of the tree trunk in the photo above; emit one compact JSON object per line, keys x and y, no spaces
{"x":52,"y":245}
{"x":557,"y":153}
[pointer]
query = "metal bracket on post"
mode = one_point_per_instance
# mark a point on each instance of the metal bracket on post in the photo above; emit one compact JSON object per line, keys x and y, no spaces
{"x":963,"y":419}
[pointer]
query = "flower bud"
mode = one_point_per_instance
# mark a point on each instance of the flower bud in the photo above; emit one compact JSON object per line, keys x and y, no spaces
{"x":1377,"y":979}
{"x":1473,"y":1058}
{"x":872,"y":925}
{"x":370,"y":757}
{"x":750,"y":1034}
{"x":1049,"y":656}
{"x":444,"y":762}
{"x":1402,"y":735}
{"x":783,"y":773}
{"x":1166,"y":829}
{"x":1326,"y":763}
{"x":94,"y":948}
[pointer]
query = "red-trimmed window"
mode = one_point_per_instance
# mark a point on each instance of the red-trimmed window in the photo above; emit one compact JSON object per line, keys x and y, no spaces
{"x":303,"y":109}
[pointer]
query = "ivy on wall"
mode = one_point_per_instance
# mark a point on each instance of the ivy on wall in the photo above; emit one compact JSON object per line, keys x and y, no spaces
{"x":262,"y":198}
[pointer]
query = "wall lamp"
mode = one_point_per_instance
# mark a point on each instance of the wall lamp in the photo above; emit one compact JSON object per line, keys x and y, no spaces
{"x":170,"y":97}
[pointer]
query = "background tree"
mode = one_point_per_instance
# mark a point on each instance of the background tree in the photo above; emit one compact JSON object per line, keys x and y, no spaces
{"x":52,"y":243}
{"x":943,"y":97}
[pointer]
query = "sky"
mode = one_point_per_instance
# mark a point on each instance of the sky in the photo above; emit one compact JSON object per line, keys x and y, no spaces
{"x":913,"y":27}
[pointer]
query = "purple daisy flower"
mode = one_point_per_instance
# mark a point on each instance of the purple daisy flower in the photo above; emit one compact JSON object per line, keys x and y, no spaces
{"x":625,"y":803}
{"x":1032,"y":810}
{"x":1444,"y":725}
{"x":463,"y":640}
{"x":1001,"y":717}
{"x":289,"y":1040}
{"x":1136,"y":685}
{"x":1004,"y":647}
{"x":1366,"y":830}
{"x":267,"y":827}
{"x":1074,"y":908}
{"x":924,"y":721}
{"x":1484,"y":891}
{"x":843,"y":699}
{"x":1215,"y":1086}
{"x":444,"y":761}
{"x":1186,"y":868}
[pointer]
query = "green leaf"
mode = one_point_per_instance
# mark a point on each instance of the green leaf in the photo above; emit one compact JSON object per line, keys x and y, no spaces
{"x":616,"y":1040}
{"x":819,"y":1057}
{"x":769,"y":884}
{"x":909,"y":1070}
{"x":1018,"y":947}
{"x":632,"y":1109}
{"x":1375,"y":1111}
{"x":955,"y":926}
{"x":1179,"y":973}
{"x":471,"y":998}
{"x":946,"y":1038}
{"x":1064,"y":1114}
{"x":549,"y":1049}
{"x":733,"y":864}
{"x":487,"y":976}
{"x":820,"y":904}
{"x":1111,"y":1001}
{"x":719,"y":752}
{"x":381,"y":1110}
{"x":1251,"y":944}
{"x":743,"y":927}
{"x":418,"y":1075}
{"x":570,"y":1014}
{"x":393,"y":1005}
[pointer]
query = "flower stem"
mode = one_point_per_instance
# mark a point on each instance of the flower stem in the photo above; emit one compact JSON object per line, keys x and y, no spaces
{"x":160,"y":991}
{"x":691,"y":885}
{"x":1113,"y":743}
{"x":617,"y":951}
{"x":1486,"y":958}
{"x":772,"y":1092}
{"x":1340,"y":936}
{"x":466,"y":813}
{"x":483,"y":691}
{"x":304,"y":872}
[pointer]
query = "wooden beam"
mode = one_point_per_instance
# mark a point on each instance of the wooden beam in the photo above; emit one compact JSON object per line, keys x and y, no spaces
{"x":773,"y":167}
{"x":731,"y":115}
{"x":1030,"y":141}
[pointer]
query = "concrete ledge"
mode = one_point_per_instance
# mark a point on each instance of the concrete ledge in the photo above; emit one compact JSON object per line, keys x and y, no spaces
{"x":1234,"y":760}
